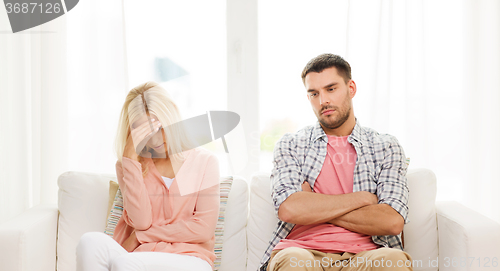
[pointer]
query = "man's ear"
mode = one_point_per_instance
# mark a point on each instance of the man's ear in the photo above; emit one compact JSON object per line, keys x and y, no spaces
{"x":352,"y":88}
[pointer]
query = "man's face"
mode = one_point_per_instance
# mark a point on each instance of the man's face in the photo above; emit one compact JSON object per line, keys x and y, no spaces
{"x":330,"y":97}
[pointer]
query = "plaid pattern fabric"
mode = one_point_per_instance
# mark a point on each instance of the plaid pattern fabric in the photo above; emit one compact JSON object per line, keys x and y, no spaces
{"x":380,"y":169}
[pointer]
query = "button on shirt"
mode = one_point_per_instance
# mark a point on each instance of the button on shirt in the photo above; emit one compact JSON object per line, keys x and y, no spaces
{"x":380,"y":168}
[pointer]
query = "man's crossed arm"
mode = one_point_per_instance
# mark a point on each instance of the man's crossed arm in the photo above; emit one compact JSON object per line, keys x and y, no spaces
{"x":357,"y":212}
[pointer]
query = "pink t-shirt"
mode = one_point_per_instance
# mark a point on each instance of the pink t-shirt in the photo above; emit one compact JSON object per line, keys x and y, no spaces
{"x":336,"y":177}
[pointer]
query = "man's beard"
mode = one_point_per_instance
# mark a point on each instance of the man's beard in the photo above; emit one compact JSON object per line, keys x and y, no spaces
{"x":337,"y":122}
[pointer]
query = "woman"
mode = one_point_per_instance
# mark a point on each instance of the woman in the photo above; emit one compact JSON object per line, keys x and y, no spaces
{"x":170,"y":194}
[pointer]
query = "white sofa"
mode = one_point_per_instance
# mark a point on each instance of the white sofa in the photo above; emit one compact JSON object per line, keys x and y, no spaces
{"x":440,"y":233}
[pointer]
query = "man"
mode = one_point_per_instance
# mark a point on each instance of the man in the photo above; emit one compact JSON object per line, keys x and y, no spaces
{"x":354,"y":217}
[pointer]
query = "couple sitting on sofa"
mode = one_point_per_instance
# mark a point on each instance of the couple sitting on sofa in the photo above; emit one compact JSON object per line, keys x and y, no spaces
{"x":339,"y":189}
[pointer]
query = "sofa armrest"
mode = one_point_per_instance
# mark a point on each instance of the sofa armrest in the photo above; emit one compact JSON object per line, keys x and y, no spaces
{"x":467,"y":239}
{"x":28,"y":241}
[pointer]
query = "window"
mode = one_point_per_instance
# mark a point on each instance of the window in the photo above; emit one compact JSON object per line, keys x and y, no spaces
{"x":184,"y":49}
{"x":290,"y":34}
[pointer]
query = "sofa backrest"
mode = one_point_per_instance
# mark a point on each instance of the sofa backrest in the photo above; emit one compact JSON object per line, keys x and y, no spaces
{"x":83,"y":201}
{"x":83,"y":205}
{"x":234,"y":246}
{"x":261,"y":219}
{"x":421,"y":236}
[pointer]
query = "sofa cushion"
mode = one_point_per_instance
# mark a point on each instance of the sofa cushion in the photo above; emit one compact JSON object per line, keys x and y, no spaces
{"x":115,"y":212}
{"x":225,"y":189}
{"x":82,"y":201}
{"x":262,"y":220}
{"x":83,"y":207}
{"x":234,"y":253}
{"x":421,"y":234}
{"x":113,"y":188}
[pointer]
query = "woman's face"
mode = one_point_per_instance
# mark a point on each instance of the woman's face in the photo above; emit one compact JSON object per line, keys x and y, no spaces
{"x":156,"y":143}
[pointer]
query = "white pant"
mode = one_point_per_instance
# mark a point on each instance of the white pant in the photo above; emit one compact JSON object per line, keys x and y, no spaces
{"x":97,"y":251}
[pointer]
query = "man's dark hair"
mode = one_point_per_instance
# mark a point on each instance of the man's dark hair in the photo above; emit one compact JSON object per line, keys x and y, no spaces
{"x":325,"y":61}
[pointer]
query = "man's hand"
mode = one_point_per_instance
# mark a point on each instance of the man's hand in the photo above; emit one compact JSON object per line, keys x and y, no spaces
{"x":131,"y":243}
{"x":306,"y":207}
{"x":372,"y":198}
{"x":375,"y":219}
{"x":306,"y":187}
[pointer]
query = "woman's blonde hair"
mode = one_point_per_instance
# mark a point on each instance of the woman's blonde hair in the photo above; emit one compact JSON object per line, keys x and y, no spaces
{"x":151,"y":97}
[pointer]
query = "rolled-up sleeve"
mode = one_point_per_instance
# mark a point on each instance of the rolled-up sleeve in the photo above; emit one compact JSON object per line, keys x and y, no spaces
{"x":286,"y":176}
{"x":392,"y":187}
{"x":200,"y":226}
{"x":136,"y":203}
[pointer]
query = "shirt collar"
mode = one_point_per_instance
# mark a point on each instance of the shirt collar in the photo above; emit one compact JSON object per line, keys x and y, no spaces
{"x":356,"y":134}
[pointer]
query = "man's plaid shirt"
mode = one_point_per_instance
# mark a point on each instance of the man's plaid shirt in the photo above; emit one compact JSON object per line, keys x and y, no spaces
{"x":380,"y":169}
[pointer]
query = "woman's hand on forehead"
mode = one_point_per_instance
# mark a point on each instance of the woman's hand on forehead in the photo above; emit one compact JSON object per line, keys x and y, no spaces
{"x":143,"y":119}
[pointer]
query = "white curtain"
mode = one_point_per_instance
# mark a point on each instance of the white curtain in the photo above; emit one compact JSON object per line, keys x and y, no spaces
{"x":97,"y":83}
{"x":429,"y":73}
{"x":33,"y":115}
{"x":61,"y":87}
{"x":426,"y":71}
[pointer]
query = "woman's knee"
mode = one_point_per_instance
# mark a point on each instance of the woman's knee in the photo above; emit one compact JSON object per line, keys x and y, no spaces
{"x":90,"y":239}
{"x":119,"y":262}
{"x":126,"y":262}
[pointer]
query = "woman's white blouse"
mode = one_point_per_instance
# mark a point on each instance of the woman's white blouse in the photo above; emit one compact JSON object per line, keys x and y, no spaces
{"x":168,"y":181}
